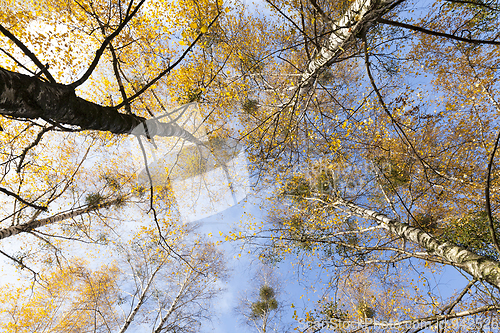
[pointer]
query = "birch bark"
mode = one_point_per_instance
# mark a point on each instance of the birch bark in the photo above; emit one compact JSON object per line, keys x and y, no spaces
{"x":480,"y":267}
{"x":142,"y":298}
{"x":23,"y":96}
{"x":174,"y":304}
{"x":31,"y":225}
{"x":358,"y":17}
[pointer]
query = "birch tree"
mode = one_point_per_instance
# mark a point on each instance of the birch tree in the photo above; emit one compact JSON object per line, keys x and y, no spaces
{"x":77,"y":82}
{"x":146,"y":288}
{"x":262,"y":308}
{"x":390,"y":172}
{"x":374,"y":171}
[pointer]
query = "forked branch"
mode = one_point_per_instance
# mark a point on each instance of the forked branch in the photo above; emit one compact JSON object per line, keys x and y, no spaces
{"x":105,"y":44}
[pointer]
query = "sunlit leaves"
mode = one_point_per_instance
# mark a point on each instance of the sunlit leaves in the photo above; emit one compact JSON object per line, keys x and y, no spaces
{"x":68,"y":300}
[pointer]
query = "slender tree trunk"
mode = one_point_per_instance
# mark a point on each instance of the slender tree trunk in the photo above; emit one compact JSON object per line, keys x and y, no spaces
{"x":31,"y":225}
{"x":264,"y":323}
{"x":357,"y":18}
{"x":142,"y":298}
{"x":27,"y":97}
{"x":479,"y":267}
{"x":174,"y":304}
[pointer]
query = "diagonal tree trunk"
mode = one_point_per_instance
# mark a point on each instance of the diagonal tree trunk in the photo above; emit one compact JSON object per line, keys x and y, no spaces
{"x":142,"y":298}
{"x":32,"y":225}
{"x":480,"y":267}
{"x":360,"y":15}
{"x":174,"y":304}
{"x":27,"y":97}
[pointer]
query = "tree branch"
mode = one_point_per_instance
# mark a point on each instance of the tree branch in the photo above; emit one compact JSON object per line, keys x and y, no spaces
{"x":12,"y":194}
{"x":436,"y":33}
{"x":30,"y":54}
{"x":173,"y":305}
{"x":479,"y":267}
{"x":450,"y":307}
{"x":22,"y":96}
{"x":152,"y":82}
{"x":37,"y":140}
{"x":142,"y":298}
{"x":358,"y":17}
{"x":475,"y":3}
{"x":20,"y":263}
{"x":433,"y":319}
{"x":17,"y":229}
{"x":491,"y":224}
{"x":18,"y":62}
{"x":104,"y":44}
{"x":320,"y":11}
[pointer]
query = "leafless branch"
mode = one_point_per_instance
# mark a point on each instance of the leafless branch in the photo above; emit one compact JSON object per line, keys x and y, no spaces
{"x":436,"y":33}
{"x":37,"y":140}
{"x":12,"y":194}
{"x":104,"y":44}
{"x":26,"y":51}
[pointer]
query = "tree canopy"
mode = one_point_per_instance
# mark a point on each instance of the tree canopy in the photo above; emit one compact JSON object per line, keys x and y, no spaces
{"x":371,"y":130}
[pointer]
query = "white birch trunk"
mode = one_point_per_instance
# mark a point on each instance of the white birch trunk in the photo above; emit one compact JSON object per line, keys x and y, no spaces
{"x":31,"y":225}
{"x":174,"y":304}
{"x":481,"y":268}
{"x":142,"y":298}
{"x":361,"y":14}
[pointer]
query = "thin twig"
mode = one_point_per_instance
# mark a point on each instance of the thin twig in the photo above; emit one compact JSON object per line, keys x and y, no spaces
{"x":436,"y":33}
{"x":12,"y":194}
{"x":152,"y":82}
{"x":26,"y":51}
{"x":155,"y":216}
{"x":37,"y":140}
{"x":487,"y":196}
{"x":18,"y":62}
{"x":449,"y":308}
{"x":20,"y":263}
{"x":491,"y":225}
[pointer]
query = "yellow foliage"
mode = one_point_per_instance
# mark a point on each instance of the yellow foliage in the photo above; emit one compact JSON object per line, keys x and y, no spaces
{"x":66,"y":300}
